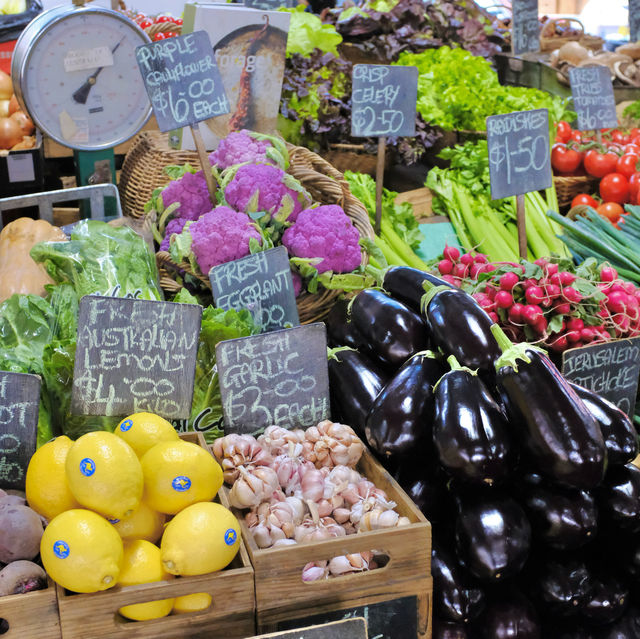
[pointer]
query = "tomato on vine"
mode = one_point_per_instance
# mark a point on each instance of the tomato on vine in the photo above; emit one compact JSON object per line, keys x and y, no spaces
{"x":565,"y":159}
{"x":614,"y":187}
{"x":563,"y":131}
{"x":583,"y":199}
{"x":610,"y":210}
{"x":600,"y":164}
{"x":627,"y":164}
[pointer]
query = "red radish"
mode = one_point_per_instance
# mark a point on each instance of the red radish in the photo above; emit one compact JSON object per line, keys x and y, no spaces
{"x":560,"y":344}
{"x":566,"y":278}
{"x":515,"y":313}
{"x":445,"y":267}
{"x":608,"y":273}
{"x":466,"y":258}
{"x":575,"y":324}
{"x":541,"y":326}
{"x":541,"y":261}
{"x":617,"y":302}
{"x":571,"y":294}
{"x":534,"y":295}
{"x":573,"y":336}
{"x":481,"y":259}
{"x":494,"y":317}
{"x":553,"y":290}
{"x":449,"y":279}
{"x":474,"y":269}
{"x":508,"y":281}
{"x":461,"y":270}
{"x":531,"y":314}
{"x":451,"y":253}
{"x":587,"y":334}
{"x":551,"y":269}
{"x":503,"y":299}
{"x":562,"y":309}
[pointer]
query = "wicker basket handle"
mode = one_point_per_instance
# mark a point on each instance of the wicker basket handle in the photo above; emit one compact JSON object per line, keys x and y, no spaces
{"x":560,"y":21}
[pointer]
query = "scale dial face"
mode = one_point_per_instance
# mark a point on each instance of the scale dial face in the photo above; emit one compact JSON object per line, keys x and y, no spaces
{"x":75,"y":73}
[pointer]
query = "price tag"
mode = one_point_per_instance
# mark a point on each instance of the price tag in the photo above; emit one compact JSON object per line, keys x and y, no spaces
{"x":182,"y":80}
{"x":593,"y":97}
{"x":20,"y":167}
{"x":384,"y":100}
{"x":277,"y":378}
{"x":519,"y":152}
{"x":634,"y":20}
{"x":266,"y":5}
{"x":347,"y":629}
{"x":262,"y":283}
{"x":19,"y":406}
{"x":525,"y":32}
{"x":609,"y":369}
{"x":135,"y":355}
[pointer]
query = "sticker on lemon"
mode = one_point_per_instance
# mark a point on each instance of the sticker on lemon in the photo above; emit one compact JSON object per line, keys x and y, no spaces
{"x":104,"y":474}
{"x":46,"y":487}
{"x":143,"y":523}
{"x":143,"y":431}
{"x":202,"y":538}
{"x":81,"y":551}
{"x":178,"y":474}
{"x":141,"y":564}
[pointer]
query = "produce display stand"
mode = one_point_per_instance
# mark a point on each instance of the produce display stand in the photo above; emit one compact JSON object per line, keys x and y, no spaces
{"x":231,"y":615}
{"x":34,"y":614}
{"x":281,"y":594}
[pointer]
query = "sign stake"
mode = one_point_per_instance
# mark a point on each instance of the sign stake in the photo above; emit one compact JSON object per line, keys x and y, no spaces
{"x":521,"y":217}
{"x":204,"y":160}
{"x":382,"y":148}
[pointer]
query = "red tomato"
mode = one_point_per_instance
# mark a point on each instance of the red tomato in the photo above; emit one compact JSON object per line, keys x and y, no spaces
{"x":611,"y":210}
{"x":634,"y":133}
{"x":614,"y":187}
{"x":627,"y":164}
{"x":178,"y":21}
{"x":576,"y":136}
{"x":632,"y":147}
{"x":599,"y":164}
{"x":139,"y":16}
{"x":565,"y":159}
{"x":145,"y":24}
{"x":634,"y":186}
{"x":584,"y":200}
{"x":159,"y":36}
{"x":618,"y":137}
{"x":163,"y":19}
{"x":171,"y":34}
{"x":563,"y":131}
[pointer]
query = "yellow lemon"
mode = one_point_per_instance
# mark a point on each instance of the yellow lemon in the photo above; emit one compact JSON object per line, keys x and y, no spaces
{"x":47,"y":489}
{"x":104,"y":474}
{"x":202,"y":538}
{"x":141,"y":564}
{"x":192,"y":603}
{"x":81,"y":551}
{"x":178,"y":474}
{"x":143,"y":431}
{"x":142,"y":523}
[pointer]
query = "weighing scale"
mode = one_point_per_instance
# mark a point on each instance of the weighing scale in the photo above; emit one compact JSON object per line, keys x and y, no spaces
{"x":74,"y":72}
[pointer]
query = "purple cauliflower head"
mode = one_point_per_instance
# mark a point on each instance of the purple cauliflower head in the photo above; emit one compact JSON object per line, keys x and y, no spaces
{"x":190,"y":191}
{"x":325,"y":232}
{"x":174,"y":227}
{"x":263,"y":187}
{"x":220,"y":236}
{"x":239,"y":147}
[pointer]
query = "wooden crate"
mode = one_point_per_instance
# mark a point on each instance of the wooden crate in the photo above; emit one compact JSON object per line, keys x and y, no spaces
{"x":282,"y":595}
{"x":231,"y":615}
{"x":421,"y":201}
{"x":34,"y":614}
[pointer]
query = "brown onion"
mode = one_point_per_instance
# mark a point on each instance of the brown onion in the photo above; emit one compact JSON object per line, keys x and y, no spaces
{"x":13,"y":105}
{"x":6,"y":86}
{"x":10,"y":133}
{"x":24,"y":122}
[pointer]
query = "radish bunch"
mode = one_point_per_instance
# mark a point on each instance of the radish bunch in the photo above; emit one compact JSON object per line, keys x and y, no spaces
{"x":549,"y":301}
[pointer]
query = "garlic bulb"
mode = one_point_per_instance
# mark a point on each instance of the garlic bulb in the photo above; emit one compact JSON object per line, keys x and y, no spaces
{"x":235,"y":450}
{"x":315,"y":528}
{"x":253,"y":486}
{"x":346,"y":564}
{"x":290,"y":467}
{"x":379,"y":518}
{"x":275,"y":439}
{"x":332,"y":444}
{"x":315,"y":570}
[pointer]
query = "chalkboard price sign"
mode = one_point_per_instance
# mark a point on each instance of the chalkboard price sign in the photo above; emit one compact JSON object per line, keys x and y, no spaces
{"x":519,"y":160}
{"x":634,"y":20}
{"x":610,"y":369}
{"x":384,"y":100}
{"x":347,"y":629}
{"x":19,"y":405}
{"x":277,"y":378}
{"x":135,"y":355}
{"x":262,"y":283}
{"x":394,"y":619}
{"x":593,"y":97}
{"x":182,"y":80}
{"x":525,"y":32}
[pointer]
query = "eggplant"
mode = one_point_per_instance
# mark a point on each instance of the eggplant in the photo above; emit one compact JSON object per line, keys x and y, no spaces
{"x":391,"y":330}
{"x":341,"y":331}
{"x":493,"y":536}
{"x":627,"y":627}
{"x":618,"y":431}
{"x":354,"y":382}
{"x":509,"y":616}
{"x":404,"y":283}
{"x":607,"y":600}
{"x":424,"y":481}
{"x":559,"y":434}
{"x":454,"y":596}
{"x":460,"y":328}
{"x":399,"y":422}
{"x":619,"y":498}
{"x":560,"y":517}
{"x":448,"y":630}
{"x":470,"y":431}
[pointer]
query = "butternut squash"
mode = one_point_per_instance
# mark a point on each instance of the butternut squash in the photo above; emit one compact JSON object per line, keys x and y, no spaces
{"x":18,"y":272}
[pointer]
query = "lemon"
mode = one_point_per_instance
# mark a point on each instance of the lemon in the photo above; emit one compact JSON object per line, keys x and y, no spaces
{"x":192,"y":603}
{"x":104,"y":474}
{"x":143,"y":431}
{"x":202,"y":538}
{"x":141,"y":564}
{"x":142,"y":523}
{"x":178,"y":474}
{"x":46,"y":482}
{"x":81,"y":551}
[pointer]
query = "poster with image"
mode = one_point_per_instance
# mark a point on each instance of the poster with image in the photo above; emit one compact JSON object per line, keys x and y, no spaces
{"x":250,"y":49}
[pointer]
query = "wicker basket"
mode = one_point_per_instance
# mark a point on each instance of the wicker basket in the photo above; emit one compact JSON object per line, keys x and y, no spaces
{"x":567,"y":187}
{"x":143,"y":171}
{"x":160,"y":27}
{"x":353,"y":157}
{"x":549,"y":41}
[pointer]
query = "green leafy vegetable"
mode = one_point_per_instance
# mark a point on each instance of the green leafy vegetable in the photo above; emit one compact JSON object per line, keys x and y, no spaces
{"x":307,"y":32}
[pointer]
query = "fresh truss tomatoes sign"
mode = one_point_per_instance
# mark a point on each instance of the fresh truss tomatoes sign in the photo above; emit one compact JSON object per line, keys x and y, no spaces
{"x":519,"y":158}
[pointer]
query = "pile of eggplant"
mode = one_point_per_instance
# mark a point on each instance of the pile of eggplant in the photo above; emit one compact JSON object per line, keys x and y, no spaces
{"x":526,"y":479}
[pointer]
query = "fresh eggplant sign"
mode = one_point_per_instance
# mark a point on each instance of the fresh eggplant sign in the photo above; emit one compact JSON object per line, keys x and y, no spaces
{"x":593,"y":98}
{"x":348,"y":629}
